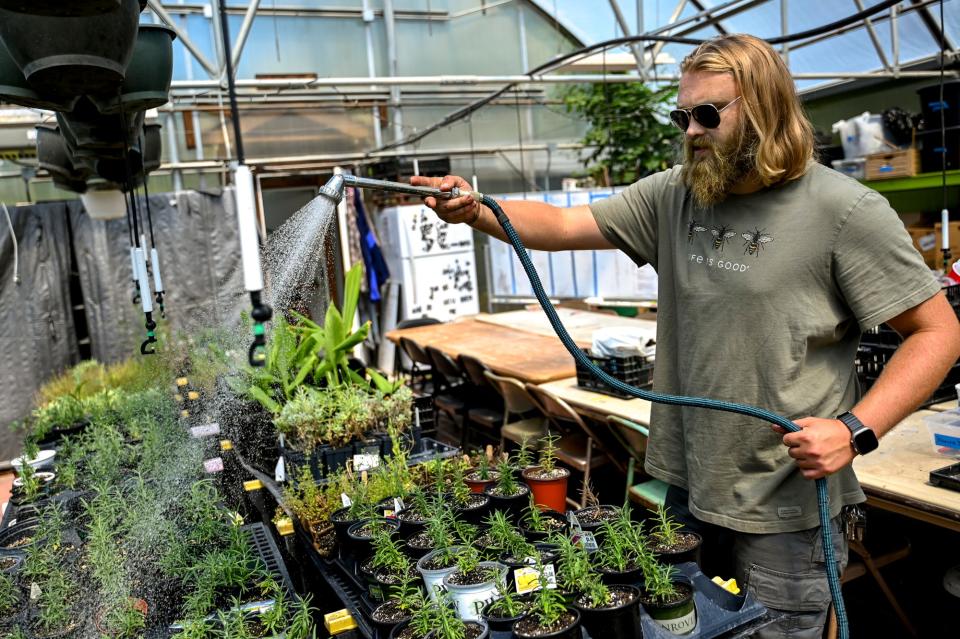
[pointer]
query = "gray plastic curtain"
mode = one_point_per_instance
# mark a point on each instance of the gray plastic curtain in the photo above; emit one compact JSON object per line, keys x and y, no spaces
{"x":197,"y":240}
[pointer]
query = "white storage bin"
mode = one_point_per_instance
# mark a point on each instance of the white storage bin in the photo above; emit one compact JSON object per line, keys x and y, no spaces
{"x":855,"y":168}
{"x":945,"y":432}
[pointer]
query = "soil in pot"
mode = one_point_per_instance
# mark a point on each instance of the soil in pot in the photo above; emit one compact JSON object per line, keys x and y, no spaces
{"x":10,"y":563}
{"x":361,"y":535}
{"x":549,"y":487}
{"x":387,"y":616}
{"x":631,"y":576}
{"x":324,"y":542}
{"x":686,"y":549}
{"x":592,"y":517}
{"x":567,"y":627}
{"x":436,"y":565}
{"x":418,"y":544}
{"x":342,"y":521}
{"x":411,"y":521}
{"x":474,"y":509}
{"x":501,"y":621}
{"x":677,"y":614}
{"x":618,"y":618}
{"x":510,"y":505}
{"x":487,"y":546}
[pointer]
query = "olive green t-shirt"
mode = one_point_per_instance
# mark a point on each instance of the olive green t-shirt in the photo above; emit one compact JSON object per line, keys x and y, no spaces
{"x":762,"y":300}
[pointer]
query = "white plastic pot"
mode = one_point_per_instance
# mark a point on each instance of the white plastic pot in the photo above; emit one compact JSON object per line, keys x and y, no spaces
{"x":469,"y":600}
{"x":433,"y":579}
{"x":104,"y":205}
{"x":43,"y":460}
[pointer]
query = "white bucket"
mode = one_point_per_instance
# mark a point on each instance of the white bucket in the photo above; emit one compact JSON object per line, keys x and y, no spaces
{"x":469,"y":600}
{"x":433,"y":579}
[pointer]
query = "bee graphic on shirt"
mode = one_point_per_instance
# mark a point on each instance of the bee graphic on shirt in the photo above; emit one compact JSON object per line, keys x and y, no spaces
{"x":693,"y":227}
{"x":720,"y":236}
{"x":754,"y":241}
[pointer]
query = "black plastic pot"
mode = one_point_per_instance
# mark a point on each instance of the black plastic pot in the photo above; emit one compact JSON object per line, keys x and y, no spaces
{"x":384,"y":628}
{"x":14,"y":88}
{"x":477,"y":513}
{"x":593,"y":526}
{"x":340,"y":527}
{"x":19,"y":532}
{"x":415,"y":552}
{"x":621,"y":621}
{"x":548,"y":554}
{"x":679,"y":618}
{"x":627,"y":577}
{"x":11,"y":561}
{"x":535,"y":535}
{"x":152,"y":148}
{"x":147,"y":83}
{"x":485,"y":634}
{"x":69,"y":56}
{"x":513,"y":506}
{"x":570,"y":632}
{"x":60,"y":8}
{"x":501,"y":627}
{"x":408,"y":527}
{"x":683,"y":556}
{"x":362,"y":545}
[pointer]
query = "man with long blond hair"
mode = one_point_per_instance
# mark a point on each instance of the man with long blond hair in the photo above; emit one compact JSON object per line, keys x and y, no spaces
{"x":770,"y":267}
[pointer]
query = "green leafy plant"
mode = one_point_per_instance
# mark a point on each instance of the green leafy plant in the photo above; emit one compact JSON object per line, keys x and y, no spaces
{"x":524,"y":455}
{"x":549,"y":604}
{"x":468,"y":560}
{"x":506,"y":483}
{"x":666,"y":529}
{"x":658,"y":581}
{"x":507,"y":537}
{"x":407,"y":594}
{"x":447,"y":624}
{"x":301,"y":624}
{"x":507,"y":604}
{"x":458,"y":487}
{"x":483,"y":468}
{"x":387,"y":553}
{"x":575,"y":572}
{"x":8,"y":594}
{"x":548,"y":453}
{"x":630,"y":134}
{"x":534,"y":517}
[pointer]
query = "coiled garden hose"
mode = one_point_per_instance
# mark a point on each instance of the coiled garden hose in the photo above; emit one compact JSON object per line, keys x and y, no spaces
{"x":823,"y":499}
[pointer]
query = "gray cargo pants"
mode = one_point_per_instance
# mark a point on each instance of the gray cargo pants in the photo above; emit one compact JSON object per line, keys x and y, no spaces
{"x":785,"y":571}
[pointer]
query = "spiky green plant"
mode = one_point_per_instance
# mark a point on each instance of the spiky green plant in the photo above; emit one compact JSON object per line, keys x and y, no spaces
{"x":666,"y":528}
{"x":507,"y":484}
{"x":548,"y":452}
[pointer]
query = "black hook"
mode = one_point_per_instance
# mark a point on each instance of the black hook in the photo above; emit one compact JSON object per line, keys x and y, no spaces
{"x":163,"y":311}
{"x":261,"y":313}
{"x":136,"y":293}
{"x":145,"y":346}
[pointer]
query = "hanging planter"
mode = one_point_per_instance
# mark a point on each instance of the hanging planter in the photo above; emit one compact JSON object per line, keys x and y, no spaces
{"x":69,"y":56}
{"x":15,"y":89}
{"x":59,"y":8}
{"x":147,"y":83}
{"x":53,"y":155}
{"x":152,"y":147}
{"x":89,"y":134}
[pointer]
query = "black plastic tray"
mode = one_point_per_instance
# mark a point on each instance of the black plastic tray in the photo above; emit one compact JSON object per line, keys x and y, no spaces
{"x":946,"y":477}
{"x":266,"y":548}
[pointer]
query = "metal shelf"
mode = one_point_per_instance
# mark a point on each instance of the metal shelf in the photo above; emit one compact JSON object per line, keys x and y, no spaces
{"x":917,"y":182}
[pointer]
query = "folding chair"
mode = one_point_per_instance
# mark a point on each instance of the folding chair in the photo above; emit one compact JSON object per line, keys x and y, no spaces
{"x":484,"y":403}
{"x":516,"y":401}
{"x":448,"y":387}
{"x":633,"y":437}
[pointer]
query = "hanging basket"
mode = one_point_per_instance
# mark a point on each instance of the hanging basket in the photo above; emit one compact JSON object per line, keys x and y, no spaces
{"x":65,"y":57}
{"x":15,"y":89}
{"x":152,"y":147}
{"x":53,"y":155}
{"x":88,"y":133}
{"x":147,"y":84}
{"x":60,"y":8}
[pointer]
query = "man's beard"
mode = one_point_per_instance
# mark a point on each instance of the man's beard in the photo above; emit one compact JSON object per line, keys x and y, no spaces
{"x":711,"y":177}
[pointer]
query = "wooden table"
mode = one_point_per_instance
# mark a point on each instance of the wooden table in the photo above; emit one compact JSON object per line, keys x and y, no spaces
{"x":580,"y":324}
{"x":527,"y":356}
{"x":598,"y":405}
{"x":896,"y":476}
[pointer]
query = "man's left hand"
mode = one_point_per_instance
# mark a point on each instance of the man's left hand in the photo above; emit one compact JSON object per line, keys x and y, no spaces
{"x":821,"y":447}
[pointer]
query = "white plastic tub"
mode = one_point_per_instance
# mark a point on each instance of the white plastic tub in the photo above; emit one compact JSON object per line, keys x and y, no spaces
{"x":945,"y":432}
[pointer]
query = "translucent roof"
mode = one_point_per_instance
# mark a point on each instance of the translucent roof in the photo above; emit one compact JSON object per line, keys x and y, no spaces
{"x":852,"y":50}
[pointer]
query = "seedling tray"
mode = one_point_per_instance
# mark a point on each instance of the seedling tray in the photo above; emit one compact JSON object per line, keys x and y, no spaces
{"x":719,"y":613}
{"x":946,"y":477}
{"x":266,"y":548}
{"x":633,"y":370}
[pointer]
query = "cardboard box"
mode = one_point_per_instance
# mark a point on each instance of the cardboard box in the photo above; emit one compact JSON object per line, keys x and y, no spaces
{"x":925,"y":240}
{"x":892,"y":164}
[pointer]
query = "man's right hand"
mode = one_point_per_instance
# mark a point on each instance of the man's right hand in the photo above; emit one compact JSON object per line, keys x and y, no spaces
{"x":463,"y":209}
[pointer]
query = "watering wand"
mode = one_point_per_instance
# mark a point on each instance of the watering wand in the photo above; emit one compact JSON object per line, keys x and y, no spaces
{"x":334,"y":189}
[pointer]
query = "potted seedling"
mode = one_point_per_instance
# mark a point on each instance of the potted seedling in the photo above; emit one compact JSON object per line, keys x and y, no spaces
{"x":594,"y":513}
{"x":666,"y":599}
{"x":670,"y":543}
{"x":604,"y":610}
{"x":471,"y":506}
{"x":388,"y":567}
{"x":547,"y":481}
{"x":538,"y":525}
{"x":517,"y":551}
{"x":482,"y":476}
{"x":356,"y":508}
{"x":621,"y":547}
{"x":437,"y":564}
{"x":413,"y":517}
{"x":438,"y":620}
{"x":501,"y":613}
{"x":549,"y":614}
{"x":362,"y":533}
{"x":507,"y":494}
{"x":473,"y":583}
{"x":437,"y":533}
{"x":399,"y":607}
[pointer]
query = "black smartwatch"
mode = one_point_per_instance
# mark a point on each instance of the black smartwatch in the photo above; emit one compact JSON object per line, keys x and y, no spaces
{"x":862,"y":438}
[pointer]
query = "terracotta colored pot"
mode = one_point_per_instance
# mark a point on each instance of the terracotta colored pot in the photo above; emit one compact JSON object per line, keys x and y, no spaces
{"x":548,"y":493}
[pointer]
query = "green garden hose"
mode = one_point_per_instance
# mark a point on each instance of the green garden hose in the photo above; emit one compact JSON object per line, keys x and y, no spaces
{"x":823,"y":499}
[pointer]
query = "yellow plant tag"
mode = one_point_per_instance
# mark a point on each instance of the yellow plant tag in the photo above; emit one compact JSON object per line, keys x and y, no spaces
{"x":730,"y":585}
{"x":339,"y":621}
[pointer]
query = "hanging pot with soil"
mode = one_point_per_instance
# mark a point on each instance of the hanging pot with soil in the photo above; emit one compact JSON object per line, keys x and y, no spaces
{"x":674,"y":608}
{"x":59,"y":8}
{"x":70,"y":56}
{"x":618,"y":617}
{"x":90,"y":134}
{"x":147,"y":83}
{"x":436,"y":565}
{"x":15,"y":89}
{"x":471,"y":590}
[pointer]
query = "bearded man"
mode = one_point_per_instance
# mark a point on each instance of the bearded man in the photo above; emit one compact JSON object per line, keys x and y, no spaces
{"x":770,"y":267}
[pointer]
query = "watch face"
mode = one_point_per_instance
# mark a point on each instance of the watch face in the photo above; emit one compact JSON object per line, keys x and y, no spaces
{"x":865,"y":440}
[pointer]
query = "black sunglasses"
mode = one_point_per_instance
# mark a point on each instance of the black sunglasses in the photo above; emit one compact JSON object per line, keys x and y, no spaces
{"x":706,"y":115}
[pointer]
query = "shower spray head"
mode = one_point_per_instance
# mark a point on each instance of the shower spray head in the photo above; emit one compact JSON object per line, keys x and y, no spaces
{"x":333,"y":189}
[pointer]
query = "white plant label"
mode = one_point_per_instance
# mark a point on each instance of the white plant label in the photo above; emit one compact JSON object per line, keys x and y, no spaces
{"x":397,"y":504}
{"x":588,"y":540}
{"x":528,"y":578}
{"x":346,"y":501}
{"x":214,"y":465}
{"x":205,"y":430}
{"x":365,"y":461}
{"x":681,"y":625}
{"x":280,"y":471}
